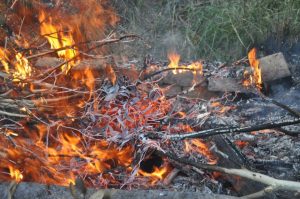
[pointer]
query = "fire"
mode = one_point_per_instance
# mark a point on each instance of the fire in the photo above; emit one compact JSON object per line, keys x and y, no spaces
{"x":198,"y":146}
{"x":15,"y":174}
{"x":4,"y":59}
{"x":220,"y":108}
{"x":174,"y":58}
{"x":254,"y":63}
{"x":58,"y":39}
{"x":22,"y":68}
{"x":111,"y":74}
{"x":75,"y":128}
{"x":174,"y":61}
{"x":56,"y":155}
{"x":158,"y":173}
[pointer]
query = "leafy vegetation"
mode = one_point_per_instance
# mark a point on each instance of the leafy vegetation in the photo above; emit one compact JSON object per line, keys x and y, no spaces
{"x":213,"y":29}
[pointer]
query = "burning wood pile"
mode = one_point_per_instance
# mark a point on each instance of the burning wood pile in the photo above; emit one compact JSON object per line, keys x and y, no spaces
{"x":71,"y":117}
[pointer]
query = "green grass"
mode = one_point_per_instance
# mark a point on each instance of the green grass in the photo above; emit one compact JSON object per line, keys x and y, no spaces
{"x":211,"y":29}
{"x":227,"y":29}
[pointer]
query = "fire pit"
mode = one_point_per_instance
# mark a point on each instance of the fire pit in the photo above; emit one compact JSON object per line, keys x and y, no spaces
{"x":73,"y":120}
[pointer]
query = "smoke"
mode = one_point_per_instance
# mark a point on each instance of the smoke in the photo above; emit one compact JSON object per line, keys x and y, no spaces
{"x":154,"y":22}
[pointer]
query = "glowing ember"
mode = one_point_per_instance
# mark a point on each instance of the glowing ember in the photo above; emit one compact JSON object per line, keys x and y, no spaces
{"x":220,"y":108}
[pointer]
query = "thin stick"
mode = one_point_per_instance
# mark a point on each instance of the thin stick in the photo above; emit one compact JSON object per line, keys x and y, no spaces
{"x":225,"y":130}
{"x":12,"y":114}
{"x":13,"y":4}
{"x":102,"y":43}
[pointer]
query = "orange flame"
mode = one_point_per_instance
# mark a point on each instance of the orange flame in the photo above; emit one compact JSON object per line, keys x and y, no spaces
{"x":15,"y":173}
{"x":57,"y":39}
{"x":198,"y":146}
{"x":254,"y":63}
{"x":56,"y":153}
{"x":174,"y":63}
{"x":22,"y":68}
{"x":4,"y":59}
{"x":158,"y":173}
{"x":220,"y":108}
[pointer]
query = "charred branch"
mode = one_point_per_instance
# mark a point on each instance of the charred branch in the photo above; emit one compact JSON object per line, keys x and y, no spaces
{"x":226,"y":130}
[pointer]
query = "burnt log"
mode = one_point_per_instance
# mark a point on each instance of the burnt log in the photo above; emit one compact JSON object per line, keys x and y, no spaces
{"x":225,"y":85}
{"x":33,"y":190}
{"x":185,"y":78}
{"x":274,"y":67}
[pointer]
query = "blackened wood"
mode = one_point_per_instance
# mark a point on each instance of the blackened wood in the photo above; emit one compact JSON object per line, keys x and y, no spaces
{"x":234,"y":160}
{"x":226,"y":130}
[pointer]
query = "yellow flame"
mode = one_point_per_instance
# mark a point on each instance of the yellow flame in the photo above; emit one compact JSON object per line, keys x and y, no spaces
{"x":23,"y":69}
{"x":159,"y":173}
{"x":4,"y":59}
{"x":21,"y":65}
{"x":254,"y":63}
{"x":174,"y":59}
{"x":58,"y":39}
{"x":15,"y":173}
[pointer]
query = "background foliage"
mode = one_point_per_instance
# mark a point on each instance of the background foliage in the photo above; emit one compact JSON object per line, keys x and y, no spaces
{"x":211,"y":29}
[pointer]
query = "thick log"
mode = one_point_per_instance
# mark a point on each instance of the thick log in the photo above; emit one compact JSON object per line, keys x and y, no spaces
{"x":184,"y":79}
{"x":33,"y":190}
{"x":220,"y":84}
{"x":274,"y":67}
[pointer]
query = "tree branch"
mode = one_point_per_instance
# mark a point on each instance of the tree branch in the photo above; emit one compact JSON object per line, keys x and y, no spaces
{"x":225,"y":130}
{"x":274,"y":183}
